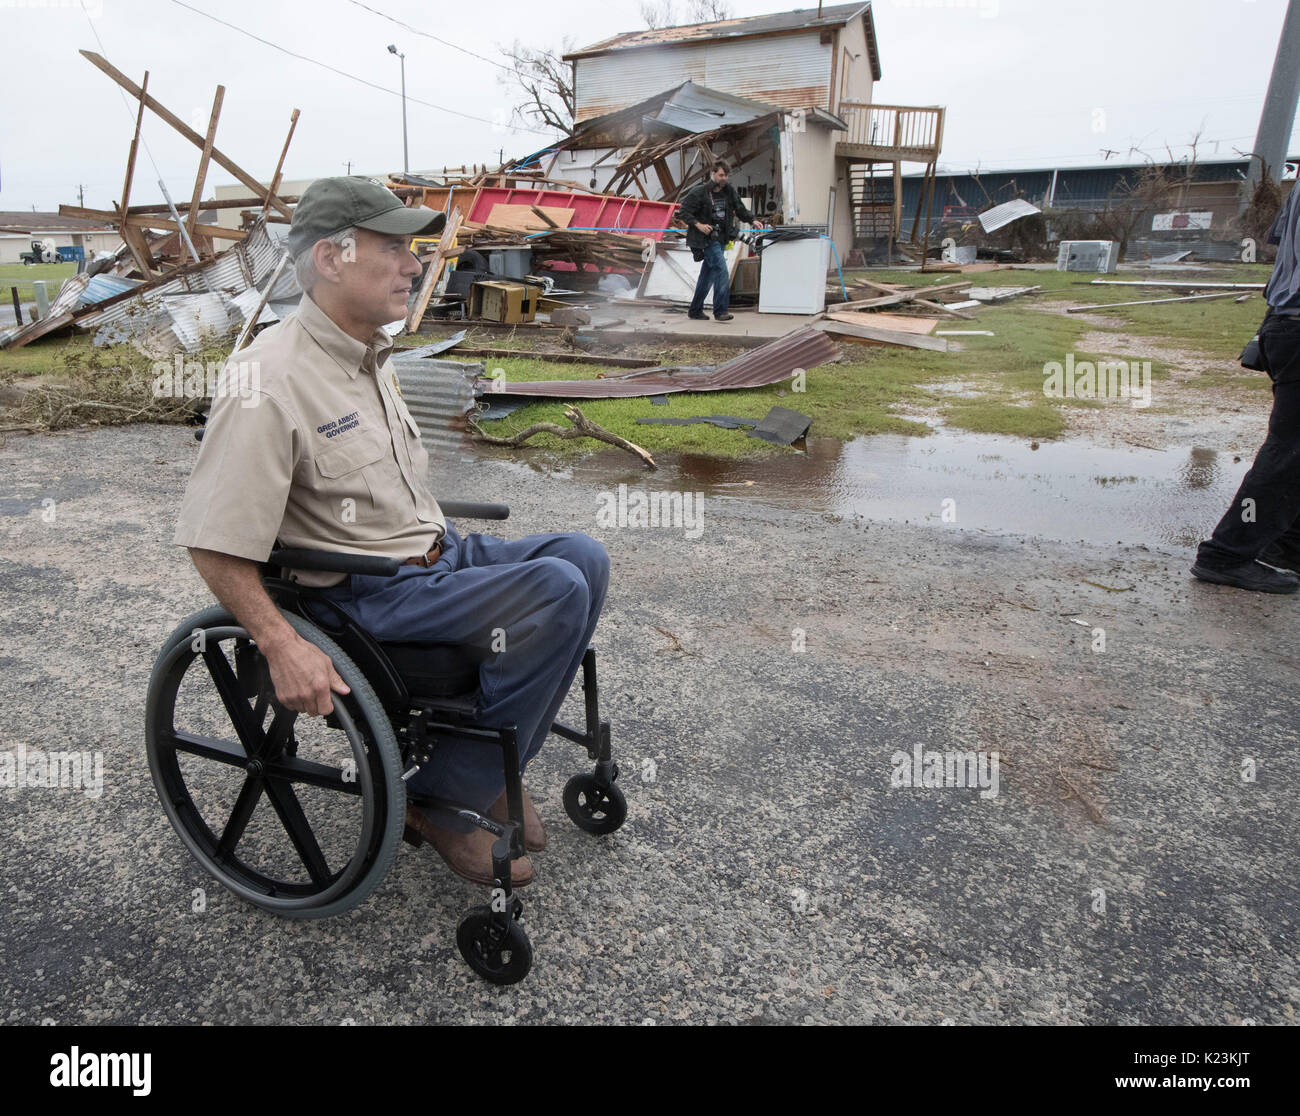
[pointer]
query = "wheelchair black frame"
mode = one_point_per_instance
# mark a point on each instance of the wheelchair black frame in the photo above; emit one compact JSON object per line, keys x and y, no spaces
{"x":417,"y":720}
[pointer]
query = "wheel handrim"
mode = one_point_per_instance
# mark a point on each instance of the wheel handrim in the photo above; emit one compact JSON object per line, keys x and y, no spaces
{"x":269,"y":756}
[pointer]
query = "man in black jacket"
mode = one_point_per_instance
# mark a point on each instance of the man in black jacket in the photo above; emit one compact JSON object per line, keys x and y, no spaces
{"x":710,"y":211}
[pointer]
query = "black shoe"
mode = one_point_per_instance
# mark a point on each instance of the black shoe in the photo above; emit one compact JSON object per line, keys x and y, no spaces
{"x":1283,"y":557}
{"x":723,"y":317}
{"x":697,"y":317}
{"x":1250,"y":575}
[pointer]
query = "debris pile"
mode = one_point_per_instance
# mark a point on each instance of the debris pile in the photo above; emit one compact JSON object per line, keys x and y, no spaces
{"x":179,"y":279}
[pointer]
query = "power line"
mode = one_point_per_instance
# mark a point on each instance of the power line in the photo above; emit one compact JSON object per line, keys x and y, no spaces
{"x":121,"y":93}
{"x":427,"y":35}
{"x":344,"y":73}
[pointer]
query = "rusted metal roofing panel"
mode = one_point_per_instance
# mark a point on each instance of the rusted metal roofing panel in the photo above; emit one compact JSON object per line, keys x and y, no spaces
{"x":837,"y":15}
{"x":608,"y":83}
{"x":790,"y":72}
{"x":793,"y":71}
{"x":768,"y":364}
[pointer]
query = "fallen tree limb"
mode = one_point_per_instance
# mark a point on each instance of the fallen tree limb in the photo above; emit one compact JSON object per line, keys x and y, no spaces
{"x":582,"y":427}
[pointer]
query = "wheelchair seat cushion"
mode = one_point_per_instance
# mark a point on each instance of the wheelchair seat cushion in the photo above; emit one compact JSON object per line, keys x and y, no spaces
{"x":435,"y":669}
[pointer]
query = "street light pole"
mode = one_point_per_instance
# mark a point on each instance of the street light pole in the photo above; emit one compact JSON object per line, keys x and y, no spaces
{"x":406,"y":159}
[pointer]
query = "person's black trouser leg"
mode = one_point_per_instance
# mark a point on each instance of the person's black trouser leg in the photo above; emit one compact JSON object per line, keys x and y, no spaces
{"x":1267,"y":505}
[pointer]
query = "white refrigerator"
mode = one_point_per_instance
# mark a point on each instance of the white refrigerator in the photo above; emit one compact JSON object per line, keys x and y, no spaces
{"x":792,"y":277}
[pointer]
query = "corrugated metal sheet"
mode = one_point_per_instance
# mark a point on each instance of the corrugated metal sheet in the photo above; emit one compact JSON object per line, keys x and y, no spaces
{"x":248,"y":263}
{"x":1002,"y":215}
{"x":791,"y":72}
{"x":693,"y":108}
{"x":439,"y":394}
{"x":199,"y":319}
{"x":100,"y":287}
{"x":768,"y":364}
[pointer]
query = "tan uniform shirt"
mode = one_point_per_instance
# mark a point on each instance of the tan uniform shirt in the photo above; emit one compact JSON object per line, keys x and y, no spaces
{"x":315,"y":447}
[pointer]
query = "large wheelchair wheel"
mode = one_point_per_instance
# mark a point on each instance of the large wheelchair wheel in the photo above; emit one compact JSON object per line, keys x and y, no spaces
{"x":301,"y":816}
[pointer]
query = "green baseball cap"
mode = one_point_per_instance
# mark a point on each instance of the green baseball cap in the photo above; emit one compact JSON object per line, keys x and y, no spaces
{"x":330,"y":205}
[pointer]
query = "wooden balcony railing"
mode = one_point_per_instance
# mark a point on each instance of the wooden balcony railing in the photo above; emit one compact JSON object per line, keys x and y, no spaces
{"x":891,"y":132}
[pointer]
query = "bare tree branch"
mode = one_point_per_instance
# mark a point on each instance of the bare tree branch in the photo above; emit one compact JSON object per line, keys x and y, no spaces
{"x":543,"y":83}
{"x":658,"y":13}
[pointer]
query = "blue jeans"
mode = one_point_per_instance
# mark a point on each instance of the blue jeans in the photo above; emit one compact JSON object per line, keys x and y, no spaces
{"x":535,"y":601}
{"x":713,"y":273}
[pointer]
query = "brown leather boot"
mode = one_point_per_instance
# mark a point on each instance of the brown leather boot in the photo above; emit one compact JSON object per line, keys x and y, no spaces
{"x":469,"y":855}
{"x":534,"y":831}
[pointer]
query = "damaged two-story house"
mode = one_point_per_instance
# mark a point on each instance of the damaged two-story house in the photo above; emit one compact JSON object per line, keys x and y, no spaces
{"x":785,"y":99}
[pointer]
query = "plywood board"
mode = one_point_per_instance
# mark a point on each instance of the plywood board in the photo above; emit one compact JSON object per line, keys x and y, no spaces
{"x":902,"y":323}
{"x":522,"y":217}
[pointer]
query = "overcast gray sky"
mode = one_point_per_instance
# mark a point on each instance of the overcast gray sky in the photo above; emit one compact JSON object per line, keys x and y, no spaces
{"x":1027,"y":83}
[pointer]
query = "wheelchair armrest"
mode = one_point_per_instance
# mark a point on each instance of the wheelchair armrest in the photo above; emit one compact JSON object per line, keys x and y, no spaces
{"x":328,"y":561}
{"x":466,"y":509}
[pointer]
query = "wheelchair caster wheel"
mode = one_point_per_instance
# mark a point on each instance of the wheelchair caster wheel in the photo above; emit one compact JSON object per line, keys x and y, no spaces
{"x":500,"y":954}
{"x":594,"y":808}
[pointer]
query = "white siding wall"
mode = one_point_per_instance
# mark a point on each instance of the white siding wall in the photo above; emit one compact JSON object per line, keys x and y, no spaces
{"x":853,"y":38}
{"x":788,"y":70}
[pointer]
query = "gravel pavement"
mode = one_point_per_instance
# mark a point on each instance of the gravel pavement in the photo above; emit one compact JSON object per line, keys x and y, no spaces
{"x":1136,"y":865}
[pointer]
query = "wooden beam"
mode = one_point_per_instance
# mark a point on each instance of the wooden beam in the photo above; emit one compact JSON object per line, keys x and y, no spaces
{"x":436,"y":267}
{"x":142,"y":260}
{"x":1150,"y":302}
{"x":151,"y":103}
{"x":279,"y":166}
{"x":147,"y":221}
{"x":666,"y":184}
{"x":191,"y":218}
{"x":542,"y":214}
{"x":211,"y":203}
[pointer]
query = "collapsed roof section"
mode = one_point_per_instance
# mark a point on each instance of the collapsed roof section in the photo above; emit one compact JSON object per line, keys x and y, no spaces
{"x":689,"y":120}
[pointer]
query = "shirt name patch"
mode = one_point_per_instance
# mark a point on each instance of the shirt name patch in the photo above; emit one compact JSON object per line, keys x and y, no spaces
{"x":339,"y":425}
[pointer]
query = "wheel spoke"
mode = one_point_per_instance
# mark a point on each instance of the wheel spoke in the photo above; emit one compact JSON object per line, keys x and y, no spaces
{"x":244,"y":806}
{"x":209,"y":747}
{"x":295,"y":824}
{"x":295,"y":770}
{"x":241,"y":715}
{"x":280,"y":731}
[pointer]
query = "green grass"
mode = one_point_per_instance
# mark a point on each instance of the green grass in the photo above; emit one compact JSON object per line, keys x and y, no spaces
{"x":874,"y":390}
{"x":23,"y":275}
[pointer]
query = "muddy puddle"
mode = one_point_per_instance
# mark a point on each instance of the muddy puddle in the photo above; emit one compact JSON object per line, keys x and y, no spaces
{"x":1068,"y":490}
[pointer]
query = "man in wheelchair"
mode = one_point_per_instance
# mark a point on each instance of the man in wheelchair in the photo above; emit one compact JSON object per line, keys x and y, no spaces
{"x":321,"y":453}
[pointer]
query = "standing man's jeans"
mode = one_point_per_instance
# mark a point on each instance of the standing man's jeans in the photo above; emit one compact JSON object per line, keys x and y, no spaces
{"x":534,"y":601}
{"x":713,"y":273}
{"x":1273,"y":483}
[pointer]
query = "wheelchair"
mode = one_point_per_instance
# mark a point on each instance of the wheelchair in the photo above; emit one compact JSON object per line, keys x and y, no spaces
{"x":335,"y":787}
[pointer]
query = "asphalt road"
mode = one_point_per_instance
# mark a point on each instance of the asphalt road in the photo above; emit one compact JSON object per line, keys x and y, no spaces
{"x":1137,"y":865}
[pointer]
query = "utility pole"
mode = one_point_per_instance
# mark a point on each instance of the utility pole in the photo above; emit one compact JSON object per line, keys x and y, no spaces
{"x":1278,"y":115}
{"x":406,"y":161}
{"x":348,"y":164}
{"x":81,"y":195}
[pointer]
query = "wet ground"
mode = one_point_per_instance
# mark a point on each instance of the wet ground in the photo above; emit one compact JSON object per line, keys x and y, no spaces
{"x":1068,"y":490}
{"x":1137,"y":865}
